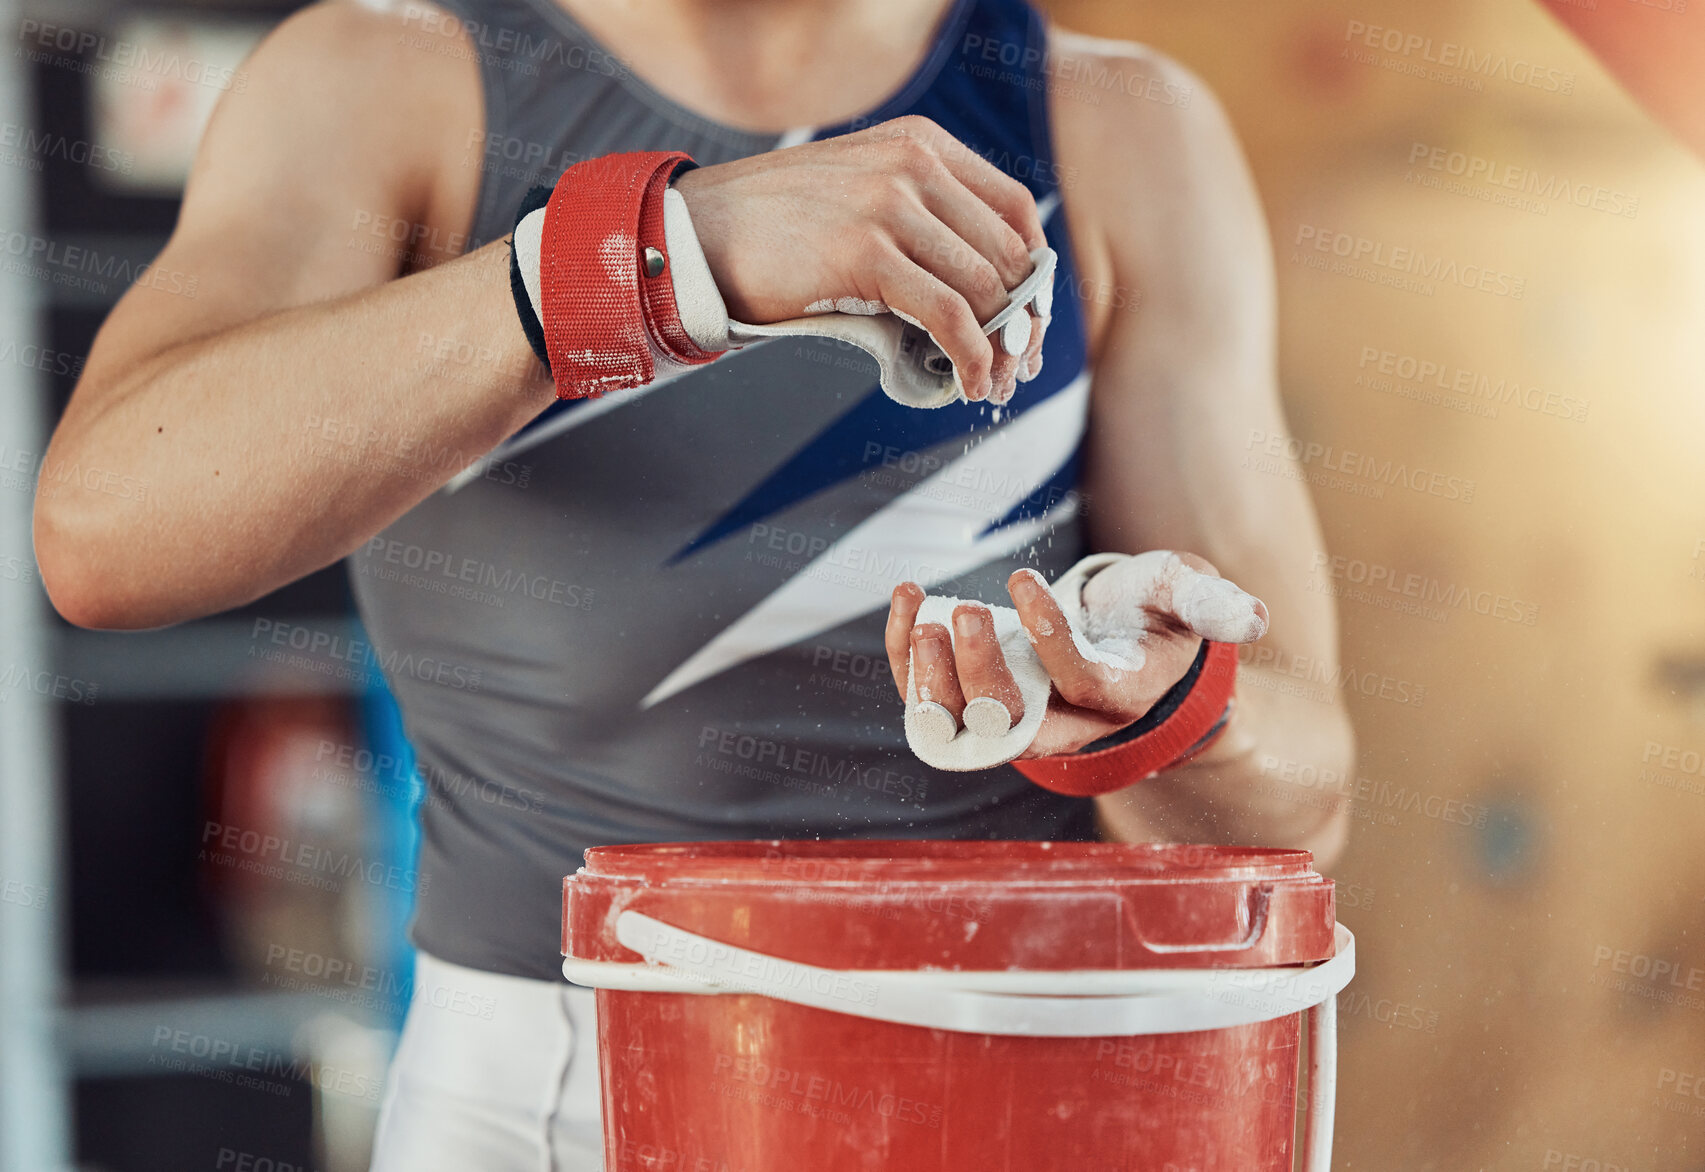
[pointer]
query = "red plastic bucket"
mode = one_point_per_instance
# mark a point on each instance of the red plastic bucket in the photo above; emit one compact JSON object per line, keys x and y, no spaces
{"x":913,"y":1006}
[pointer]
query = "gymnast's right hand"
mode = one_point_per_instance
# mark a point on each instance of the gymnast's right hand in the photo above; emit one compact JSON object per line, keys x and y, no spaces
{"x":900,"y":216}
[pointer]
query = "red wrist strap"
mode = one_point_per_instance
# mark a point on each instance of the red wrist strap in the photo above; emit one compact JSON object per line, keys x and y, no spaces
{"x":1181,"y":734}
{"x":602,"y":313}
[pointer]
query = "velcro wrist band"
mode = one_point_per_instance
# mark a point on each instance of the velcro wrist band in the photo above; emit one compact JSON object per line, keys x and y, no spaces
{"x":1185,"y":721}
{"x":607,"y":319}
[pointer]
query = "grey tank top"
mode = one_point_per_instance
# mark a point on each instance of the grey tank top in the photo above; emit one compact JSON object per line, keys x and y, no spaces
{"x":659,"y":616}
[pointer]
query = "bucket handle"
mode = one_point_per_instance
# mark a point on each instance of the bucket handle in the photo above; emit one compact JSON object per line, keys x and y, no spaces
{"x":1322,"y":1083}
{"x":1077,"y":1003}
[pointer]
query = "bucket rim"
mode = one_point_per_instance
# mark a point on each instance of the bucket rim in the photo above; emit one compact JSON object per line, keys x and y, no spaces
{"x":1021,"y":863}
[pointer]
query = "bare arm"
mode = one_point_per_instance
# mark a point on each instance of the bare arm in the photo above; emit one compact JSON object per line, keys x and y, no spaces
{"x":290,"y":407}
{"x":1175,"y":258}
{"x":1183,"y":379}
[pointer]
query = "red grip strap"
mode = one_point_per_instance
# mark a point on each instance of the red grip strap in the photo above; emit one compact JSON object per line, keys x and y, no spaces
{"x":1086,"y":775}
{"x":598,"y":306}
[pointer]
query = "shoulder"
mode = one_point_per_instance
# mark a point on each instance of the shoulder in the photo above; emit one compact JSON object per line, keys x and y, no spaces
{"x":327,"y":37}
{"x":1162,"y":206}
{"x":1130,"y":113}
{"x":1106,"y":73}
{"x":319,"y":45}
{"x":1149,"y":161}
{"x":365,"y":63}
{"x":355,"y":93}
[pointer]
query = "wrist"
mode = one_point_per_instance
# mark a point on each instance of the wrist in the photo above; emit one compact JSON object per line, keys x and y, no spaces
{"x":1162,"y":710}
{"x":1191,"y":717}
{"x":592,"y":278}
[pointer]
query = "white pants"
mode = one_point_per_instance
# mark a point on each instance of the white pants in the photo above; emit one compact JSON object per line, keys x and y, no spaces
{"x":494,"y":1073}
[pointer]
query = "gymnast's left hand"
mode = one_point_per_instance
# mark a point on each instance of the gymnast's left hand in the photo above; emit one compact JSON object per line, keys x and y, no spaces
{"x":1146,"y":623}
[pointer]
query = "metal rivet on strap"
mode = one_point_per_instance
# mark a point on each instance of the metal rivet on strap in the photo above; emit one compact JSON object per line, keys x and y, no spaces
{"x":654,"y":262}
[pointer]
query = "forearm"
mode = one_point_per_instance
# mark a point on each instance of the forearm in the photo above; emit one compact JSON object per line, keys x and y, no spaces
{"x":266,"y":451}
{"x":1232,"y":794}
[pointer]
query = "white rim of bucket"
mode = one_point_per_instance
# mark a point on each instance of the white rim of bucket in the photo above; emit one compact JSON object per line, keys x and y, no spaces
{"x":1083,"y":1003}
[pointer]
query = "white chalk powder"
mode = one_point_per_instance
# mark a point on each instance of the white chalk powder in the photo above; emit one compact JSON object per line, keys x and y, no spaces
{"x":931,"y":730}
{"x":856,"y":305}
{"x":619,"y":254}
{"x":1109,"y":636}
{"x":1212,"y":607}
{"x":988,"y":717}
{"x":1217,"y":609}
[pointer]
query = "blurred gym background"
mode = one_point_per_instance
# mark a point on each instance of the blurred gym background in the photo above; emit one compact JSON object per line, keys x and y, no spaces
{"x":1491,"y":267}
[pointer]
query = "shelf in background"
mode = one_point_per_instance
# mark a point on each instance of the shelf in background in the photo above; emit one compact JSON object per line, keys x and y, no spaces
{"x":212,"y":658}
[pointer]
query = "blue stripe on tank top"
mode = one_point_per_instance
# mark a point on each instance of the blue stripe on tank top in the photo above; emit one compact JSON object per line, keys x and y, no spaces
{"x":987,"y":106}
{"x":983,"y":107}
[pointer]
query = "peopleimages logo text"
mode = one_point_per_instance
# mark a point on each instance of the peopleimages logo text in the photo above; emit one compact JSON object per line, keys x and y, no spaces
{"x":1487,"y":66}
{"x":1413,"y":262}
